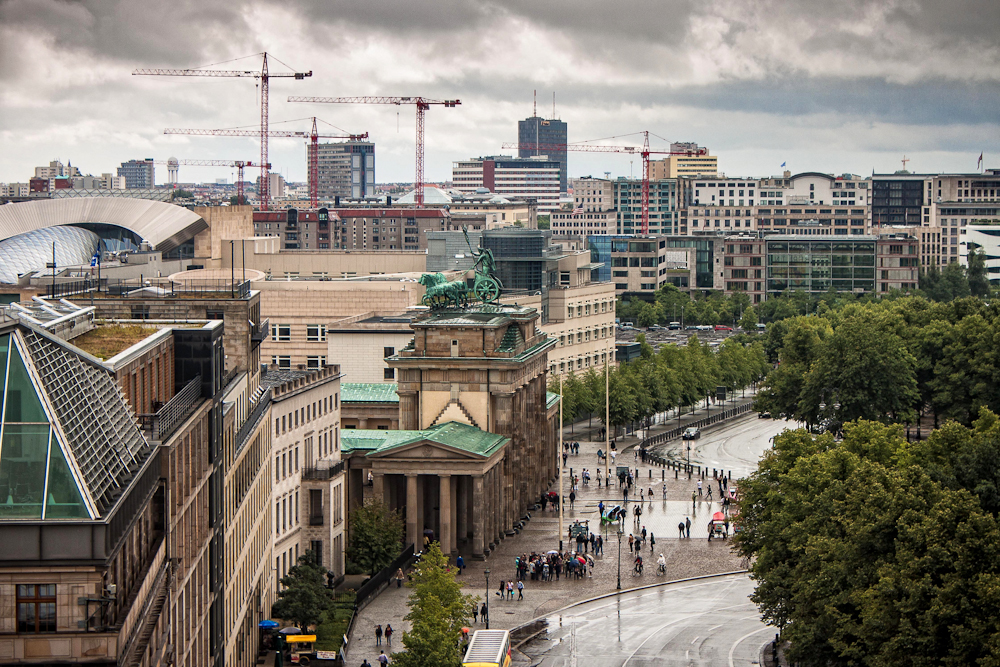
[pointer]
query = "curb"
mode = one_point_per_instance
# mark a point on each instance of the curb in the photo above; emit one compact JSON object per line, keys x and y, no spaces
{"x":609,"y":595}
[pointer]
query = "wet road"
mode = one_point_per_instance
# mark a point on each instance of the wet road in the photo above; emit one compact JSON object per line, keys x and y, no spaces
{"x":735,"y":445}
{"x":707,"y":622}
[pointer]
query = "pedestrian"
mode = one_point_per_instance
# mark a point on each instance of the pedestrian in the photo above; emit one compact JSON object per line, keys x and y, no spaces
{"x":545,"y":502}
{"x":600,"y":507}
{"x":399,"y":578}
{"x":687,"y":526}
{"x":710,"y":493}
{"x":631,"y":540}
{"x":625,"y":493}
{"x":600,"y":545}
{"x":593,"y":543}
{"x":388,"y":635}
{"x":650,"y":494}
{"x":484,"y":613}
{"x":383,"y":659}
{"x":636,"y":452}
{"x":694,"y":496}
{"x":644,"y":533}
{"x":565,"y":456}
{"x":664,"y":490}
{"x":510,"y":589}
{"x":598,"y":478}
{"x":460,"y":564}
{"x":475,"y":613}
{"x":520,"y":590}
{"x":680,"y":529}
{"x":572,"y":498}
{"x":699,"y":487}
{"x":365,"y":663}
{"x":502,"y":590}
{"x":378,"y":635}
{"x":652,"y":542}
{"x":725,"y":482}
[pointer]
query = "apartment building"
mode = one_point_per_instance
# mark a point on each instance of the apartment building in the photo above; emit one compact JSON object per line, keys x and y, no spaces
{"x":389,"y":228}
{"x":138,"y":174}
{"x":530,"y":179}
{"x":346,"y":170}
{"x":744,"y":266}
{"x":299,"y":230}
{"x":665,"y":204}
{"x":309,"y":485}
{"x":593,"y":209}
{"x":697,"y":164}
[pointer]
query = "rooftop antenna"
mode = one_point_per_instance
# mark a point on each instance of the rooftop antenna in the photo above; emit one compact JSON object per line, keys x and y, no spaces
{"x":904,"y":161}
{"x":534,"y":104}
{"x":607,"y":175}
{"x":553,"y":105}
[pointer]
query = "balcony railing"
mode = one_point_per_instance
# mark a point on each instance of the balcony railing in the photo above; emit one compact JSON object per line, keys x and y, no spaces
{"x":161,"y":424}
{"x":260,"y":331}
{"x":253,"y":420}
{"x":320,"y":474}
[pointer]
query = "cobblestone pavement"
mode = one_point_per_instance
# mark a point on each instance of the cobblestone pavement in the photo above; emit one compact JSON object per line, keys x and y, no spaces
{"x":686,"y":557}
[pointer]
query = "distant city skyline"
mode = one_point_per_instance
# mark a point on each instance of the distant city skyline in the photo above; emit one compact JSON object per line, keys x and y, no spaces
{"x":818,"y":86}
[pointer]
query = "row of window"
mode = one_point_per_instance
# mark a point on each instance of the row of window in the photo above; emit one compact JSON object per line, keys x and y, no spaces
{"x":304,"y":415}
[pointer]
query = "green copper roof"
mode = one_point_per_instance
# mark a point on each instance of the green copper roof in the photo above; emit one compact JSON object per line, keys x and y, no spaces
{"x":551,"y":398}
{"x":368,"y":392}
{"x":451,"y":434}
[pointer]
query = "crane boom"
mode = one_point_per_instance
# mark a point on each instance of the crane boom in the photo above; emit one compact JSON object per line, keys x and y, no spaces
{"x":264,"y":75}
{"x":422,"y":104}
{"x":643,"y":151}
{"x":271,"y":133}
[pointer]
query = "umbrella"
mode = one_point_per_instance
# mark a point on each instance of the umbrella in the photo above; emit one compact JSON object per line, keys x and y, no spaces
{"x":718,"y":516}
{"x":268,"y":624}
{"x":581,"y":559}
{"x":290,"y":631}
{"x":549,"y":553}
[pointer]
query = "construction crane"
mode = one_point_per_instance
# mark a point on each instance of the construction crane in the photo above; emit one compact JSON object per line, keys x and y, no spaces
{"x":423,"y":105}
{"x":239,"y":164}
{"x":314,"y":136}
{"x":644,"y":151}
{"x":264,"y":76}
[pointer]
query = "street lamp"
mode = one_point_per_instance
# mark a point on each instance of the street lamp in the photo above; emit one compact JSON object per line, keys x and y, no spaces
{"x":621,"y":531}
{"x":487,"y":599}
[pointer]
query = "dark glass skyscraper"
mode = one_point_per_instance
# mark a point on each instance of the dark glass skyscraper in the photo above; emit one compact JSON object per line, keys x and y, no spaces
{"x":541,"y":131}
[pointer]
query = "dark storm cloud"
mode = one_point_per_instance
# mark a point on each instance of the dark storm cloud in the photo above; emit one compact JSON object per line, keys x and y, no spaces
{"x":178,"y":32}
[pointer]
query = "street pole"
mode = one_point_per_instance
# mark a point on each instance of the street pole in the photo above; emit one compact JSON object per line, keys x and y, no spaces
{"x":607,"y":416}
{"x":559,"y":461}
{"x":621,"y":530}
{"x":487,"y":599}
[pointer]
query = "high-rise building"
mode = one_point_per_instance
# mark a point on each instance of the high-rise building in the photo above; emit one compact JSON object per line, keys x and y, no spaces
{"x":346,"y":169}
{"x":536,"y":130}
{"x":677,"y":166}
{"x":533,"y":178}
{"x":138,"y":173}
{"x":664,"y":206}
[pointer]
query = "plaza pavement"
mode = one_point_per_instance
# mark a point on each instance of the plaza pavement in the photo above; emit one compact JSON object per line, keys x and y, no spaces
{"x":685,"y":557}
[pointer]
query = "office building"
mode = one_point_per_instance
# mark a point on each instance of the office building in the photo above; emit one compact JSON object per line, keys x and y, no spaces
{"x":644,"y":264}
{"x":536,"y":130}
{"x":138,"y":174}
{"x":696,"y":162}
{"x":346,"y":170}
{"x":528,"y":179}
{"x":743,"y":266}
{"x":665,"y":204}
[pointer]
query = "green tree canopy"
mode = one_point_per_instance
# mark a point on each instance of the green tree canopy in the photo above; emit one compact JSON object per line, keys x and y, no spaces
{"x":376,"y":536}
{"x":305,"y":596}
{"x":438,"y":611}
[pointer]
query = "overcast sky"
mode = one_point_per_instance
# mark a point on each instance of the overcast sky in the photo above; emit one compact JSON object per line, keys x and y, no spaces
{"x":835,"y":87}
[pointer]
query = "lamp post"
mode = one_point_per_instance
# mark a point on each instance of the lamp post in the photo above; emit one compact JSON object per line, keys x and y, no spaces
{"x":621,"y":531}
{"x":487,"y":573}
{"x":559,"y":462}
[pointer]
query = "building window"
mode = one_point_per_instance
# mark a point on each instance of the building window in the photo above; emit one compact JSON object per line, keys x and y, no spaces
{"x":315,"y":507}
{"x":283,"y":361}
{"x":281,"y":332}
{"x":316,"y":333}
{"x":36,"y":607}
{"x":388,"y":352}
{"x":388,"y":373}
{"x":316,"y":362}
{"x":317,"y":548}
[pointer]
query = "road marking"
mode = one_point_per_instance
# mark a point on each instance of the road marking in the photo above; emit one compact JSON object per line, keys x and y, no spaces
{"x":732,"y":649}
{"x":694,"y":640}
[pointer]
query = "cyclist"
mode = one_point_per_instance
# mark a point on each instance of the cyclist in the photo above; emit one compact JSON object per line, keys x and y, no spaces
{"x":638,"y":564}
{"x":661,"y":565}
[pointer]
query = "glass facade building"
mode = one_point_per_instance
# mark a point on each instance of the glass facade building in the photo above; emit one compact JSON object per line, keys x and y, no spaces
{"x":815,"y":264}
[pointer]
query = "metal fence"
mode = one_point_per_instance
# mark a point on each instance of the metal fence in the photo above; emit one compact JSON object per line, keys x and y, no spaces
{"x":166,"y":420}
{"x":137,"y":288}
{"x":321,"y":474}
{"x":380,"y":580}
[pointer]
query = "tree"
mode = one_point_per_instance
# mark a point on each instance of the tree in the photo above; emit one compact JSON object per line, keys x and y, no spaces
{"x":749,"y":320}
{"x":183,"y":194}
{"x":305,"y":596}
{"x":979,"y":283}
{"x":438,"y":611}
{"x":376,"y":536}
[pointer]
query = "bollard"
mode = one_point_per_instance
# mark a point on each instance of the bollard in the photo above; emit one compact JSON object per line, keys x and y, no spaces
{"x":663,"y":475}
{"x":714,"y":474}
{"x":651,"y":473}
{"x":675,"y":473}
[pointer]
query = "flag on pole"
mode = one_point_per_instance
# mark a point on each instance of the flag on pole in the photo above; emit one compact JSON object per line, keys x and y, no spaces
{"x":979,"y":163}
{"x":782,"y":164}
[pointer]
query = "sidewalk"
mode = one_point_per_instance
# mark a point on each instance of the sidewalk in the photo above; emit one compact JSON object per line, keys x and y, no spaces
{"x":686,"y":557}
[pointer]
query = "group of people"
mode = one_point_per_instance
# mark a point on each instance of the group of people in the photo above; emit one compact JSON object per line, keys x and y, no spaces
{"x":387,"y":633}
{"x":553,"y":565}
{"x":593,"y":543}
{"x":636,"y":541}
{"x":507,"y":588}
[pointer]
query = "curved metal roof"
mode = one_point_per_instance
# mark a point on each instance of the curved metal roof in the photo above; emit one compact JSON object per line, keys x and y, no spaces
{"x":164,"y":226}
{"x":73,"y":246}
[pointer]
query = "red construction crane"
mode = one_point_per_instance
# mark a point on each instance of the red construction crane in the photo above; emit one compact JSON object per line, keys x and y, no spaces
{"x":239,"y":164}
{"x":422,"y":104}
{"x":644,"y":151}
{"x":264,"y":76}
{"x":314,"y":136}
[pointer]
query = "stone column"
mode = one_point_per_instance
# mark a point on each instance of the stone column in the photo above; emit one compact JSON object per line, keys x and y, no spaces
{"x":421,"y":506}
{"x":462,"y":506}
{"x":478,"y":515}
{"x":454,"y":515}
{"x":444,"y":513}
{"x":363,"y":423}
{"x":409,"y":417}
{"x":412,"y":529}
{"x":378,"y":486}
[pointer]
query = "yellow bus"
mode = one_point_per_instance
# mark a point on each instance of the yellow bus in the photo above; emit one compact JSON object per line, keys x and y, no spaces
{"x":488,"y":648}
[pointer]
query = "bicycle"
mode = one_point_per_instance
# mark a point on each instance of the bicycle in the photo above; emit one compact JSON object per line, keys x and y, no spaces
{"x":661,"y":569}
{"x":637,"y":570}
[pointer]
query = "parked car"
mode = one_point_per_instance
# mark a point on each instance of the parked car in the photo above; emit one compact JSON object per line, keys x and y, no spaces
{"x":674,"y":326}
{"x":722,"y":327}
{"x":763,"y":415}
{"x":691,"y":433}
{"x":654,"y":327}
